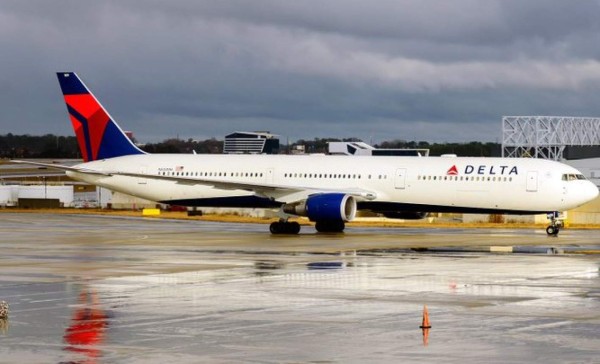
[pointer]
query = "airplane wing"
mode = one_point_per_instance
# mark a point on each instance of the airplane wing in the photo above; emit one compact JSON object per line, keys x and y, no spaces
{"x":63,"y":167}
{"x":281,"y":193}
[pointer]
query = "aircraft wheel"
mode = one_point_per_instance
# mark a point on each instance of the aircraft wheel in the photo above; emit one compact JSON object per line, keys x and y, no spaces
{"x":280,"y":227}
{"x":336,"y":226}
{"x":552,"y":230}
{"x":330,"y":226}
{"x":294,"y":227}
{"x":275,"y":228}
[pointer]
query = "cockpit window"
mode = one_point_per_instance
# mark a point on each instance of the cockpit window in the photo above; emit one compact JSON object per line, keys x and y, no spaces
{"x":572,"y":177}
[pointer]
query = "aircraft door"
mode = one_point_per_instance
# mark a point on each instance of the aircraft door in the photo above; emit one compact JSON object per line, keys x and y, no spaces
{"x":532,"y":181}
{"x":400,"y":179}
{"x":270,"y":175}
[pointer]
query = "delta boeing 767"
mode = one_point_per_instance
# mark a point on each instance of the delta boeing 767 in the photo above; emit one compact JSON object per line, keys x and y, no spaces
{"x":329,"y":190}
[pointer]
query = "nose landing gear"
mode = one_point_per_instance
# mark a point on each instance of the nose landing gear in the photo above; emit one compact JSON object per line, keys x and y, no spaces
{"x":555,"y":223}
{"x":552,"y":230}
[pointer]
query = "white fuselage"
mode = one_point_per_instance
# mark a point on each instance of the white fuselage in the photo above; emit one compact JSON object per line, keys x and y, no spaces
{"x":443,"y":183}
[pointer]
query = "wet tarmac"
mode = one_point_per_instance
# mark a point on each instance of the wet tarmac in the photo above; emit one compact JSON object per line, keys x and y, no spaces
{"x":92,"y":289}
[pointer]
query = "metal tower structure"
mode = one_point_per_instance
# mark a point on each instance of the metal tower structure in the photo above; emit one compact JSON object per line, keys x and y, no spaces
{"x":547,"y":136}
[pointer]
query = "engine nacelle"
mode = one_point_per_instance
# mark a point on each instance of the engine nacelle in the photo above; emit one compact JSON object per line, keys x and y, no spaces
{"x":325,"y":207}
{"x":405,"y":215}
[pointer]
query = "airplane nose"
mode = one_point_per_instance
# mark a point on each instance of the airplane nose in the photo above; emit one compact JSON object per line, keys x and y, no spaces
{"x":591,"y":191}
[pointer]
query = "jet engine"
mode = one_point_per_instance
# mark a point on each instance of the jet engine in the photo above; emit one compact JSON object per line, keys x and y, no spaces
{"x":325,"y":207}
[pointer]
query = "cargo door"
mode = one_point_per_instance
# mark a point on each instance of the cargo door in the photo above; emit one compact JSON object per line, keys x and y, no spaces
{"x":532,"y":181}
{"x":400,"y":179}
{"x":143,"y":170}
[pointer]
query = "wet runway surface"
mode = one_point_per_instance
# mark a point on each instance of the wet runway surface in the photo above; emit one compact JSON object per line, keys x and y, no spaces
{"x":94,"y":289}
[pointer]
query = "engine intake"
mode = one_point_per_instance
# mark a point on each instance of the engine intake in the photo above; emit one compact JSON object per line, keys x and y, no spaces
{"x":325,"y":206}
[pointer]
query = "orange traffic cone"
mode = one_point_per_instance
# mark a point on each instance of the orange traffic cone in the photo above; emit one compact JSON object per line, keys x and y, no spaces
{"x":425,"y":324}
{"x":425,"y":337}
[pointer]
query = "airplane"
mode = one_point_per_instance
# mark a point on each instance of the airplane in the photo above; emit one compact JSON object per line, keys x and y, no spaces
{"x":328,"y":189}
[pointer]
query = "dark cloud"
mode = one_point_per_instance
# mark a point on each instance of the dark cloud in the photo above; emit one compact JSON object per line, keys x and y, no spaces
{"x":427,"y":70}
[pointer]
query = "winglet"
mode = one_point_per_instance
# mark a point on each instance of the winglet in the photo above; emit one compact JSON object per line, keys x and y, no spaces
{"x":98,"y":135}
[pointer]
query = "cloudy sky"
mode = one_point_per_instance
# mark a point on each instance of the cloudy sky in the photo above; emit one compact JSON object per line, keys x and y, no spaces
{"x":376,"y":70}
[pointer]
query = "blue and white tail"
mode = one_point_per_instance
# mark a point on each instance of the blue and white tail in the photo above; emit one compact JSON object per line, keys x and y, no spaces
{"x":98,"y":135}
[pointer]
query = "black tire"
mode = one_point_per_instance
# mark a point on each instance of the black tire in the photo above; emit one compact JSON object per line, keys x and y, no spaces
{"x":275,"y":228}
{"x":338,"y":226}
{"x":278,"y":228}
{"x":330,"y":226}
{"x":551,"y":230}
{"x":294,"y":227}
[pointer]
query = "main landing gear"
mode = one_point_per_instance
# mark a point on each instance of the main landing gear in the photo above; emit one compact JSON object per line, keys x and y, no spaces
{"x":330,"y":226}
{"x":285,"y":227}
{"x":555,"y":223}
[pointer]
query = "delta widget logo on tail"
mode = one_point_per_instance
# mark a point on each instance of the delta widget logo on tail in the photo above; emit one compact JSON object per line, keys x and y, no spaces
{"x":89,"y":122}
{"x":99,"y":137}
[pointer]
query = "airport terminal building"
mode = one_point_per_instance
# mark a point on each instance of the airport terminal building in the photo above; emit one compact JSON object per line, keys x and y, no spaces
{"x":242,"y":142}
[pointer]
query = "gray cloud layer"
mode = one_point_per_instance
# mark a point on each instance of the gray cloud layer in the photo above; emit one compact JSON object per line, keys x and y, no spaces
{"x":423,"y":69}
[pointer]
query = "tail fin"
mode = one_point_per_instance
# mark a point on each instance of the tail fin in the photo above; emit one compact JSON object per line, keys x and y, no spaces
{"x":98,"y":135}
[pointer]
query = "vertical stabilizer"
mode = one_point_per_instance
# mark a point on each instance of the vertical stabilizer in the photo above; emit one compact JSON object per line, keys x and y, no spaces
{"x":98,"y":135}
